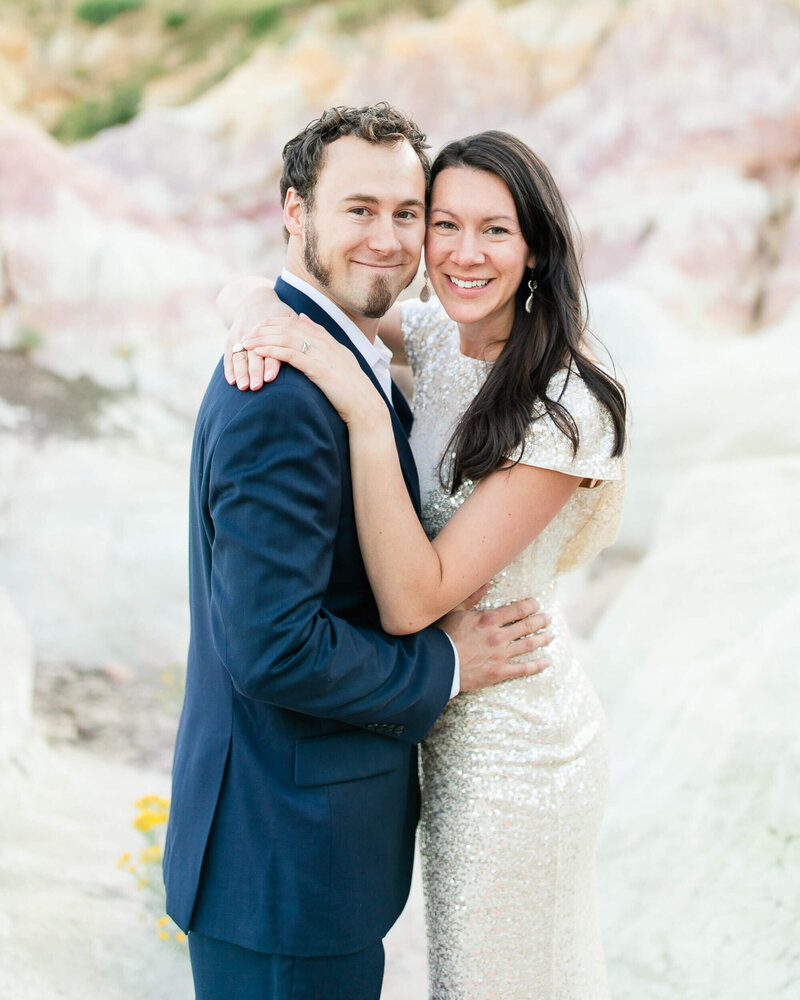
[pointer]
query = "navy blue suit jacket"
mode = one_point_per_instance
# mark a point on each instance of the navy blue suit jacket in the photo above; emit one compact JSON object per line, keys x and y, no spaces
{"x":295,"y":792}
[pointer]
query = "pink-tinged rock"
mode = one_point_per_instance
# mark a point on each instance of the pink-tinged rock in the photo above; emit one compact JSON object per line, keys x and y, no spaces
{"x":101,"y":279}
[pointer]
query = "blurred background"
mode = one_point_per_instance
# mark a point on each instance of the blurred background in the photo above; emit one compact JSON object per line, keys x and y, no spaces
{"x":139,"y":158}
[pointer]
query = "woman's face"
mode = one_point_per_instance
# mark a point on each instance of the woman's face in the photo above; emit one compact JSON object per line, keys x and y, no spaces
{"x":475,"y":253}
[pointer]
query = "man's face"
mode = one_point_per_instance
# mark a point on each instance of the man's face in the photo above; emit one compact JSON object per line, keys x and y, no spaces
{"x":362,"y":236}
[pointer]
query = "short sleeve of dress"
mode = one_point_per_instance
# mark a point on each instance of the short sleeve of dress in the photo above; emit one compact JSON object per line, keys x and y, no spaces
{"x":419,"y":321}
{"x":548,"y":447}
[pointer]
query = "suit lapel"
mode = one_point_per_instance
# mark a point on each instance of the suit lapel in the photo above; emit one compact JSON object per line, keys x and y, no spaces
{"x":402,"y":409}
{"x":401,"y":412}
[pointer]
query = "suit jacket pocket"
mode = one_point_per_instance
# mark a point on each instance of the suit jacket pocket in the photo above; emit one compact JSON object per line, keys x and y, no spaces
{"x":345,"y":756}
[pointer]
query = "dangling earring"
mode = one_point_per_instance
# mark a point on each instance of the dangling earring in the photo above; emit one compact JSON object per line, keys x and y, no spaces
{"x":425,"y":294}
{"x":532,"y":285}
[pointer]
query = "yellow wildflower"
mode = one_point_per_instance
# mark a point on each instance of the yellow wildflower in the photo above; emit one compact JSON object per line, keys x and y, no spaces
{"x":148,"y":801}
{"x":180,"y":936}
{"x":124,"y":860}
{"x":161,"y":921}
{"x":147,"y":819}
{"x":163,"y":935}
{"x":131,"y":868}
{"x":150,"y":854}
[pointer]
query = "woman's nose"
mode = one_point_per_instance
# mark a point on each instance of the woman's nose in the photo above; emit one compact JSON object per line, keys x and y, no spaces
{"x":467,"y":250}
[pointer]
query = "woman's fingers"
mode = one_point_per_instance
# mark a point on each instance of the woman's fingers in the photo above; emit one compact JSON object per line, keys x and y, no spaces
{"x":309,"y":345}
{"x":241,"y":367}
{"x":227,"y":359}
{"x":255,"y":370}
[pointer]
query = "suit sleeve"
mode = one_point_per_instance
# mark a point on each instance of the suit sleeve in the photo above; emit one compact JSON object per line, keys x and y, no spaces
{"x":275,"y":497}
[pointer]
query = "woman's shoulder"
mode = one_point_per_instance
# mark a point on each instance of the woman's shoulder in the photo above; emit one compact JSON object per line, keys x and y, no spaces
{"x":549,"y":445}
{"x":568,"y":387}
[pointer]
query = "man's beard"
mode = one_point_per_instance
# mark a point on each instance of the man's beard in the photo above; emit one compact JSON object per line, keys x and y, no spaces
{"x":380,"y":296}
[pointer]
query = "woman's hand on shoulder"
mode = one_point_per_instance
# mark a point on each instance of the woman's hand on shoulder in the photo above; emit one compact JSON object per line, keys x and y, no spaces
{"x":331,"y":366}
{"x":244,"y":307}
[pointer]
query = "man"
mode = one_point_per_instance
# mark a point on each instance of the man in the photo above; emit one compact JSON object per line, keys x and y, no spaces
{"x":295,"y":795}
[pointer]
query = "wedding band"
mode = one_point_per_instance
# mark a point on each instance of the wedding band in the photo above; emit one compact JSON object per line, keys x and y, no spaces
{"x":238,"y":349}
{"x":305,"y":346}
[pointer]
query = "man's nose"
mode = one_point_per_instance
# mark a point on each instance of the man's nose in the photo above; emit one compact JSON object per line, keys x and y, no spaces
{"x":383,"y":236}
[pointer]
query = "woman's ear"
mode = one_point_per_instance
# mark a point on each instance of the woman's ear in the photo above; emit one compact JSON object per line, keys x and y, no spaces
{"x":532,"y":261}
{"x":293,"y":211}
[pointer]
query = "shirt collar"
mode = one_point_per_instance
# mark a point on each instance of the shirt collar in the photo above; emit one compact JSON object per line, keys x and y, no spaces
{"x":373,"y":353}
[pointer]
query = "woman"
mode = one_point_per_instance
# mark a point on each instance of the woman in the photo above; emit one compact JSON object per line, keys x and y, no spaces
{"x":518,"y":437}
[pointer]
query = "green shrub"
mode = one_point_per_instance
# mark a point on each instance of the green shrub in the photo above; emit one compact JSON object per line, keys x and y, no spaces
{"x":87,"y":118}
{"x":28,"y":340}
{"x":100,"y":11}
{"x":175,"y":18}
{"x":264,"y":19}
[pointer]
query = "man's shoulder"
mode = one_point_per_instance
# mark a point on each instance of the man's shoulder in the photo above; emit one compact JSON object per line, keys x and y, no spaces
{"x":224,"y":405}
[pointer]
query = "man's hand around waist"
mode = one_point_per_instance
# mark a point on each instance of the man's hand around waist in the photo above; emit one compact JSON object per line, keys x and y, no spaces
{"x":488,"y":640}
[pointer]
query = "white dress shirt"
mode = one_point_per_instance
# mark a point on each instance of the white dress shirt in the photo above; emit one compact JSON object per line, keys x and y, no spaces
{"x":378,"y":357}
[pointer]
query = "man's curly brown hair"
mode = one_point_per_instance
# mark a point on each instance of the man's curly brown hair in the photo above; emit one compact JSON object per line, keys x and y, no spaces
{"x":379,"y":123}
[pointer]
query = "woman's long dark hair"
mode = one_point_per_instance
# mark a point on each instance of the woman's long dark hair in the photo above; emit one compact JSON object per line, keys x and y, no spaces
{"x":493,"y":428}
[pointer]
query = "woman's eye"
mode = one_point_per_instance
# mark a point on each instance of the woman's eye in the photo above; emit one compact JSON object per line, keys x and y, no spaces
{"x":496,"y":231}
{"x":443,"y":224}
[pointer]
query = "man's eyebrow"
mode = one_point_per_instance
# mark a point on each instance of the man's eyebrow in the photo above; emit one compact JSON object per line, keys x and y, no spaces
{"x":370,"y":199}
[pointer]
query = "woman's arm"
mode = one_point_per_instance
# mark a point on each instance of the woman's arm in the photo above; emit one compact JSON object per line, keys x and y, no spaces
{"x":416,"y":581}
{"x":234,"y":294}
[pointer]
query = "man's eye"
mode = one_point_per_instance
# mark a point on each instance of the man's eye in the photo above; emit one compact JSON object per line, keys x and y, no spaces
{"x":406,"y":215}
{"x":359,"y":210}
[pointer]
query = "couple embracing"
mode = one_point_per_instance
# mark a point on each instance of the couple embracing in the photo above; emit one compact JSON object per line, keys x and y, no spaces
{"x":333,"y":574}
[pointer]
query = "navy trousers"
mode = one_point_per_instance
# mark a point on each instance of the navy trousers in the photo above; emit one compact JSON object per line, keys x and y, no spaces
{"x":224,"y":971}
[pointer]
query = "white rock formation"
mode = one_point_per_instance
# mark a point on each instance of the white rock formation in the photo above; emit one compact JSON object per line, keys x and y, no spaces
{"x":16,"y":678}
{"x":72,"y":924}
{"x":695,"y":399}
{"x":696,"y":662}
{"x":94,"y":550}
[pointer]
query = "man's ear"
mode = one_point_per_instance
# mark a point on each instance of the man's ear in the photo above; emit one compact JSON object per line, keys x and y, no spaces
{"x":293,"y":211}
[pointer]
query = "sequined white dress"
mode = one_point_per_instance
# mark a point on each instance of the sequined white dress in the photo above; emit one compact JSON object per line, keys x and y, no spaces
{"x":515,"y":776}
